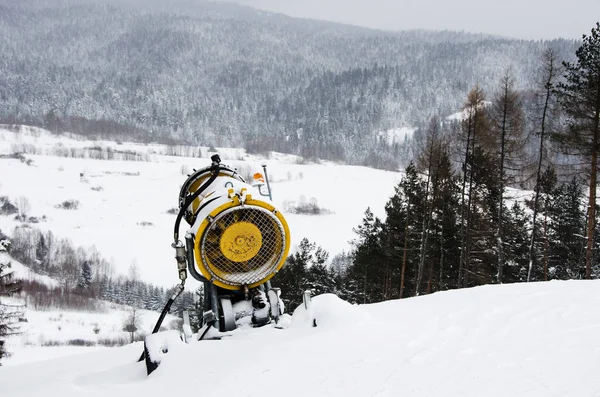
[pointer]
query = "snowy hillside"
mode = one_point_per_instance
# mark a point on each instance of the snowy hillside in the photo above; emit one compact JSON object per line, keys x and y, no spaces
{"x":122,"y":205}
{"x":51,"y":332}
{"x":511,"y":340}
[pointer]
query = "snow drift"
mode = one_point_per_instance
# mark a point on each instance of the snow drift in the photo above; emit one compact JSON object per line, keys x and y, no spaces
{"x":510,"y":340}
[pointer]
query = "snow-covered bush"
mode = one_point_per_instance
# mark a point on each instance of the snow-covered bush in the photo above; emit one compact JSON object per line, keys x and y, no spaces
{"x":68,"y":205}
{"x":305,"y":207}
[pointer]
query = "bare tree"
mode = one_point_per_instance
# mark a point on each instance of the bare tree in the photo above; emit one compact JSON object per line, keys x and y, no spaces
{"x":134,"y":271}
{"x":69,"y":269}
{"x":507,"y":120}
{"x":472,"y":126}
{"x":132,"y":322}
{"x":549,"y":72}
{"x":24,"y":207}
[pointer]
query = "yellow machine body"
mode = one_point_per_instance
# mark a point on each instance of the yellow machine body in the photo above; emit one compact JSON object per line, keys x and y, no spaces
{"x":240,"y":242}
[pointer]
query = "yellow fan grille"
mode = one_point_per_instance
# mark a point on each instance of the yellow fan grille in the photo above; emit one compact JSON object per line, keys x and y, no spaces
{"x":243,"y":245}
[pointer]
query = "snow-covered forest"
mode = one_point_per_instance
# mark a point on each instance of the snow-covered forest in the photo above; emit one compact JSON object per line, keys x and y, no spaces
{"x":224,"y":75}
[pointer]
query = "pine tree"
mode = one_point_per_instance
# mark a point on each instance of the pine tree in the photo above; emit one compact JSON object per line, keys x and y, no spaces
{"x":401,"y":235}
{"x":42,"y":250}
{"x":579,"y":96}
{"x":296,"y":275}
{"x":566,"y":232}
{"x":444,"y":252}
{"x":320,"y":279}
{"x":517,"y":244}
{"x":85,"y":279}
{"x":481,"y":261}
{"x":542,"y":204}
{"x":364,"y":275}
{"x":340,"y":265}
{"x":9,"y":313}
{"x":413,"y":192}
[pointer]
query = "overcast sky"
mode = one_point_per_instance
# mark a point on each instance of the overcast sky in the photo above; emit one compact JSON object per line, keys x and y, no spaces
{"x":529,"y":19}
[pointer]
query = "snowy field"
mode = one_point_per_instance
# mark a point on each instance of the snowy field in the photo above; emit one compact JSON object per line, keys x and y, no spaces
{"x":535,"y":340}
{"x":123,"y":204}
{"x":47,"y":334}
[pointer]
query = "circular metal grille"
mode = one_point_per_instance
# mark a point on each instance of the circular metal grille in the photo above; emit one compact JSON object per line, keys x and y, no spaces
{"x":243,"y":245}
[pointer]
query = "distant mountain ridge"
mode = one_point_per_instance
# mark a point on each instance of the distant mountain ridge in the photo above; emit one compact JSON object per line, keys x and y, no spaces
{"x":222,"y":74}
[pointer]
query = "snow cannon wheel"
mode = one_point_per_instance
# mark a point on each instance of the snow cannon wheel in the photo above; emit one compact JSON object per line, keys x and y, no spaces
{"x":228,"y":316}
{"x":156,"y":346}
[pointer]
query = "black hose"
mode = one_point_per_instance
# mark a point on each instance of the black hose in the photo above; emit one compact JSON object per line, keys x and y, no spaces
{"x":167,"y":308}
{"x":163,"y":314}
{"x":215,"y":173}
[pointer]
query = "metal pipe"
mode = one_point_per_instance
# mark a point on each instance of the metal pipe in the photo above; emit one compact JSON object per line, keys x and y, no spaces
{"x":264,"y":166}
{"x":191,"y":263}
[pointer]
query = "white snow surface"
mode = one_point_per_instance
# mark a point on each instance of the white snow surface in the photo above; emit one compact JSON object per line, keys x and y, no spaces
{"x":123,"y":204}
{"x":536,"y":339}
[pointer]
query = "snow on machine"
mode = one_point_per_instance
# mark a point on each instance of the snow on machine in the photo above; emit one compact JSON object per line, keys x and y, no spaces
{"x":235,"y":244}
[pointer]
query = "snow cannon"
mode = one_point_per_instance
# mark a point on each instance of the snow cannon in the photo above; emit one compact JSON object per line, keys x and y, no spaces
{"x":236,"y":242}
{"x":239,"y":241}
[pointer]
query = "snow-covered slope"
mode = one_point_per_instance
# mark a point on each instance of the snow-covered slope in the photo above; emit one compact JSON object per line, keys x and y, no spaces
{"x":123,"y":204}
{"x":22,"y":272}
{"x":510,"y":340}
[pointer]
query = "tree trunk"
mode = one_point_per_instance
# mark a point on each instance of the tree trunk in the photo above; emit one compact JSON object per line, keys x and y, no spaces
{"x":424,"y":233}
{"x":461,"y":263}
{"x":535,"y":205}
{"x":386,"y":280}
{"x":548,"y":86}
{"x":592,"y":207}
{"x":467,"y":246}
{"x":499,"y":231}
{"x":404,"y":255}
{"x":546,"y":246}
{"x":442,"y":248}
{"x":430,"y":280}
{"x":429,"y":217}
